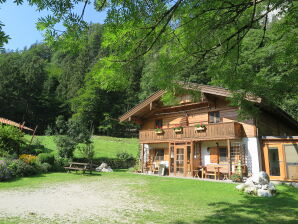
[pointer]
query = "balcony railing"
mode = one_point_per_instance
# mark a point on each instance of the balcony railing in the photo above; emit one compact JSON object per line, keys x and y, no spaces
{"x":227,"y":130}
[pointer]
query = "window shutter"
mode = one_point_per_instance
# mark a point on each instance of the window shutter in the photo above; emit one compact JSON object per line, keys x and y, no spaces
{"x":214,"y":155}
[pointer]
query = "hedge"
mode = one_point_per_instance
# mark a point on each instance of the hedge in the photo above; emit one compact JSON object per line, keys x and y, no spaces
{"x":114,"y":163}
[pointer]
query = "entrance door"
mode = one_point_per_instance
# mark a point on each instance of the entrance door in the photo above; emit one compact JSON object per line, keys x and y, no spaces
{"x":179,"y":160}
{"x":274,"y":161}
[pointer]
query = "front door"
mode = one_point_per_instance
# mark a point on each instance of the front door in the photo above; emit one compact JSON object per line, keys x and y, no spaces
{"x":274,"y":161}
{"x":180,"y":159}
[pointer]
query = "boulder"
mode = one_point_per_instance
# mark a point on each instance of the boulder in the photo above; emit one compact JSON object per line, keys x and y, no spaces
{"x":250,"y":190}
{"x":264,"y":193}
{"x":259,"y":185}
{"x":107,"y":169}
{"x":260,"y":178}
{"x":103,"y":168}
{"x":240,"y":187}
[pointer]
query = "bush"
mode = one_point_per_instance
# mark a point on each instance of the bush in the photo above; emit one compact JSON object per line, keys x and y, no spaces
{"x":114,"y":163}
{"x":43,"y":167}
{"x":27,"y":158}
{"x":65,"y":146}
{"x":60,"y":163}
{"x":87,"y":151}
{"x":236,"y":177}
{"x":5,"y":173}
{"x":19,"y":168}
{"x":46,"y":158}
{"x":35,"y":148}
{"x":124,"y":156}
{"x":11,"y":140}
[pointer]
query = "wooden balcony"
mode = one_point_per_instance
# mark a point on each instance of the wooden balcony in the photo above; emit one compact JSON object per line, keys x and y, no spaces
{"x":229,"y":130}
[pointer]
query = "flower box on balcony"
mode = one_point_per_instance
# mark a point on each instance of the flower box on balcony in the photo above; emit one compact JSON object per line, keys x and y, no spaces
{"x":200,"y":127}
{"x":158,"y":131}
{"x":178,"y":129}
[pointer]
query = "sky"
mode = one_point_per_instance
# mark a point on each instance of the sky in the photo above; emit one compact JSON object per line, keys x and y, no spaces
{"x":20,"y":23}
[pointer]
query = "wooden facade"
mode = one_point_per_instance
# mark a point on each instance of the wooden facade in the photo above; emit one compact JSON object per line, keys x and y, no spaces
{"x":171,"y":135}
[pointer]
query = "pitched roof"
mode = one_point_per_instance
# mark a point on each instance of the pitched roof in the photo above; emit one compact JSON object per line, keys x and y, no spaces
{"x":12,"y":123}
{"x":214,"y":90}
{"x":157,"y":95}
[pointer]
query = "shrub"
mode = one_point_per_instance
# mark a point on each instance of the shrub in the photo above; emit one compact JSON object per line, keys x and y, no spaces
{"x":46,"y":158}
{"x":5,"y":173}
{"x":43,"y":167}
{"x":60,"y":163}
{"x":87,"y":151}
{"x":35,"y":148}
{"x":27,"y":158}
{"x":19,"y":168}
{"x":65,"y":146}
{"x":124,"y":156}
{"x":236,"y":177}
{"x":114,"y":163}
{"x":11,"y":140}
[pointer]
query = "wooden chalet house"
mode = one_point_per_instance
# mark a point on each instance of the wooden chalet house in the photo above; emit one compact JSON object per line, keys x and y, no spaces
{"x":205,"y":138}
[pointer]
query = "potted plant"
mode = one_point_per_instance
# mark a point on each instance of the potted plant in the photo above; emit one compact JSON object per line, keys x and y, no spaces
{"x":178,"y":129}
{"x":158,"y":130}
{"x":200,"y":127}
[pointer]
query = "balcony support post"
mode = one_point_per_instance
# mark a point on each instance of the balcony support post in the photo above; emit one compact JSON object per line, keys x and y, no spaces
{"x":229,"y":155}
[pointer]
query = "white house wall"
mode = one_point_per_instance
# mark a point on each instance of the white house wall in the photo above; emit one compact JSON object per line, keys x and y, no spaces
{"x":253,"y":154}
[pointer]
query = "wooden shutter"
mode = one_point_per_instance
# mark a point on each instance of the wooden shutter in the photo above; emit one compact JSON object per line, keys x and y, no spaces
{"x":214,"y":155}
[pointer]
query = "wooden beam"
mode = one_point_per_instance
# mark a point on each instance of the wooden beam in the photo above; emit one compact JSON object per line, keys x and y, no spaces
{"x":229,"y":155}
{"x":142,"y":158}
{"x":175,"y":154}
{"x":33,"y":134}
{"x":191,"y":157}
{"x":169,"y":145}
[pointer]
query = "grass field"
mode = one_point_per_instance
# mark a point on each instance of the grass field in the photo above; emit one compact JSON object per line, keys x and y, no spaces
{"x":104,"y":146}
{"x":180,"y":201}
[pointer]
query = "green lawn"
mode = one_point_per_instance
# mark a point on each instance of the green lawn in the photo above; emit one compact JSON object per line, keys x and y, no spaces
{"x":104,"y":146}
{"x":186,"y":201}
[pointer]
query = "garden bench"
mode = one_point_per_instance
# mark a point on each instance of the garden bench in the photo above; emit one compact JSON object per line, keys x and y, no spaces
{"x":80,"y":167}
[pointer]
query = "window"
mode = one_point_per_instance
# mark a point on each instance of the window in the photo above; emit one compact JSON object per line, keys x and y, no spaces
{"x":214,"y":117}
{"x":159,"y":154}
{"x":158,"y":123}
{"x":223,"y":155}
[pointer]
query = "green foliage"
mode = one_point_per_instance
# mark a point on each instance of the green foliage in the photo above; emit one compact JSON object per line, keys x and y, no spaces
{"x":65,"y":146}
{"x":46,"y":158}
{"x":11,"y":140}
{"x":236,"y":177}
{"x":5,"y":172}
{"x":19,"y":168}
{"x":124,"y":156}
{"x":60,"y":163}
{"x":87,"y":151}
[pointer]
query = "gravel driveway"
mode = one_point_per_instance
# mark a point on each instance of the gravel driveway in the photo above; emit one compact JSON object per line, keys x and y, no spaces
{"x":102,"y":201}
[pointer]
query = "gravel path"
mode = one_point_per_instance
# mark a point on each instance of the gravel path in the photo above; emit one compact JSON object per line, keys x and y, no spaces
{"x":104,"y":200}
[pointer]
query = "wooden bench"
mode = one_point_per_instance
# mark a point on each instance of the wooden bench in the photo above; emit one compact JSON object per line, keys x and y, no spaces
{"x":80,"y":167}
